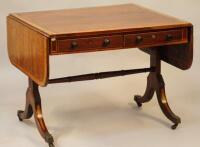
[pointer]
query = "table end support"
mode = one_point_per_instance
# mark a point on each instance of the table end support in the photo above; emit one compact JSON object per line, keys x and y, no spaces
{"x":155,"y":83}
{"x":33,"y":107}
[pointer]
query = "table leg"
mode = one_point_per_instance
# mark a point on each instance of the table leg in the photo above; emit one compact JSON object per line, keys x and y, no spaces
{"x":148,"y":95}
{"x":33,"y":106}
{"x":155,"y":83}
{"x":162,"y":100}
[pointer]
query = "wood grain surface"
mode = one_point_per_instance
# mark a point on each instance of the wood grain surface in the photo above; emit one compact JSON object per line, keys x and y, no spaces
{"x":28,"y":51}
{"x":106,"y":19}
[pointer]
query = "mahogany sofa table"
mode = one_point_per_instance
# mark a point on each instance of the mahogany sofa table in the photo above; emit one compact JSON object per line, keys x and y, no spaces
{"x":34,"y":36}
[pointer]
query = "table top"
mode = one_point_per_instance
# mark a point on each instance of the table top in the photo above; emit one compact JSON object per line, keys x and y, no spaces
{"x":82,"y":21}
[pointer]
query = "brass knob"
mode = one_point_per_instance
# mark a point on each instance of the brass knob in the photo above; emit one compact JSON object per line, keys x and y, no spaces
{"x":74,"y":45}
{"x":153,"y":36}
{"x":139,"y":39}
{"x":106,"y":42}
{"x":169,"y":37}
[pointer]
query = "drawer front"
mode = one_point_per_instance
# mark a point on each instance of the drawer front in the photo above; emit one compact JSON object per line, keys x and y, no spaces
{"x":156,"y":38}
{"x":90,"y":44}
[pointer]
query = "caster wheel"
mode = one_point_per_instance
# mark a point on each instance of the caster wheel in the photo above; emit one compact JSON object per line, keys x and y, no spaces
{"x":51,"y":145}
{"x":174,"y":126}
{"x":19,"y":116}
{"x":49,"y":139}
{"x":136,"y":98}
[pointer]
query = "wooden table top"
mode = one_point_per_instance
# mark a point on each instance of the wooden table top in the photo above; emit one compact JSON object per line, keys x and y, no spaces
{"x":105,"y":19}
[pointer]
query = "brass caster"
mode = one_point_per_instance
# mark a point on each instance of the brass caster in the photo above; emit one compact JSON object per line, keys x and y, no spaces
{"x":136,"y":98}
{"x":19,"y":112}
{"x":51,"y":145}
{"x":174,"y":126}
{"x":49,"y":139}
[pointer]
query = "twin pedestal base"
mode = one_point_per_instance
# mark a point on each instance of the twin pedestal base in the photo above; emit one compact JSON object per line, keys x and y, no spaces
{"x":155,"y":83}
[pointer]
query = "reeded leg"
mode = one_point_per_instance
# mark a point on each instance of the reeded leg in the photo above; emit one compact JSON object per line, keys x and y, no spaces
{"x":33,"y":106}
{"x":148,"y":95}
{"x":162,"y":100}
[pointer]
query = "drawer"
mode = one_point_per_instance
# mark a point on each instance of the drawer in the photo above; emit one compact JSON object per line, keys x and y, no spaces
{"x":156,"y":38}
{"x":90,"y":44}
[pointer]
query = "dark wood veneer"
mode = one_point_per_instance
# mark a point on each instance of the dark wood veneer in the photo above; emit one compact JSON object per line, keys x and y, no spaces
{"x":88,"y":44}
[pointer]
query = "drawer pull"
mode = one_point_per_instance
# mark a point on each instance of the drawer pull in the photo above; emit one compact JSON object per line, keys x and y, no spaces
{"x":153,"y":36}
{"x":74,"y":45}
{"x":139,"y":39}
{"x":106,"y":42}
{"x":169,"y":37}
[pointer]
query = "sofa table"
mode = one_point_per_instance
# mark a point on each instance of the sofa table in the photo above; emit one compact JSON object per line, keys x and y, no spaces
{"x":34,"y":36}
